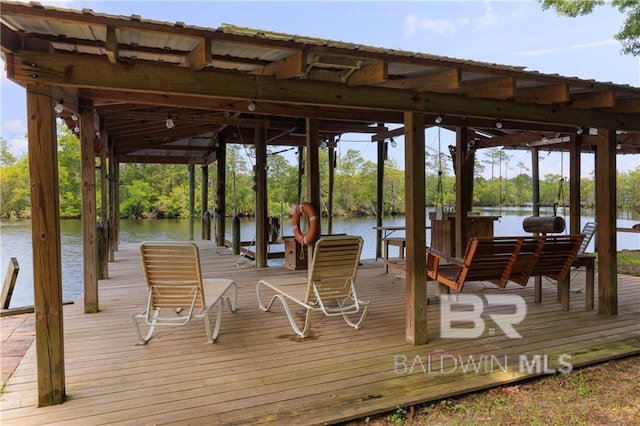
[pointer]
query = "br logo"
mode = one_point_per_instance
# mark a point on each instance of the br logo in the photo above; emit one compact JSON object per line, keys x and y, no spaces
{"x":461,"y":315}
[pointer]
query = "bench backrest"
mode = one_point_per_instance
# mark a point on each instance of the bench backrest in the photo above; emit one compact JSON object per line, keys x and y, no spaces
{"x":334,"y":267}
{"x":557,"y":255}
{"x":491,"y":259}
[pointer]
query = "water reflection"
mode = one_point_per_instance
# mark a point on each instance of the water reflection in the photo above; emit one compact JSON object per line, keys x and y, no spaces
{"x":16,"y":240}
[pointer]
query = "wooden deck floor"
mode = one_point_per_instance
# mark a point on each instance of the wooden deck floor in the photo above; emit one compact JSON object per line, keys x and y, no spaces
{"x":258,"y":373}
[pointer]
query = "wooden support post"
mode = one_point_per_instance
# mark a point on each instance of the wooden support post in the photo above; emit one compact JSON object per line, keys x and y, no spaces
{"x":300,"y":172}
{"x":313,"y":167}
{"x":113,"y":207}
{"x":416,"y":298}
{"x":574,"y":185}
{"x":101,"y":147}
{"x":382,"y":147}
{"x":221,"y":204}
{"x":606,"y":238}
{"x":535,"y":176}
{"x":192,"y":198}
{"x":116,"y":205}
{"x":332,"y":173}
{"x":204,"y":196}
{"x":261,"y":197}
{"x":9,"y":283}
{"x":47,"y":265}
{"x":88,"y":128}
{"x":114,"y":202}
{"x":464,"y":181}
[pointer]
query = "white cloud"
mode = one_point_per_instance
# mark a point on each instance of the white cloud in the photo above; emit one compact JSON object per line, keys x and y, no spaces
{"x":447,"y":27}
{"x":488,"y":20}
{"x":14,"y":132}
{"x":440,"y":27}
{"x":580,"y":46}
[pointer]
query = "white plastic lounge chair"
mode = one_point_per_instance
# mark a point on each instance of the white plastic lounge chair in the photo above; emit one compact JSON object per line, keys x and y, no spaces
{"x":174,"y":283}
{"x":588,"y":231}
{"x":329,"y":287}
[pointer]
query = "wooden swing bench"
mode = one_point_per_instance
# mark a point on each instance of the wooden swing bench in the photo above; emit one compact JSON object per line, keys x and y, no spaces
{"x":503,"y":259}
{"x":486,"y":259}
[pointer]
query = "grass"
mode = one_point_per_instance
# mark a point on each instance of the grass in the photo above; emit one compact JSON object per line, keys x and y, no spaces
{"x":603,"y":394}
{"x":629,"y":262}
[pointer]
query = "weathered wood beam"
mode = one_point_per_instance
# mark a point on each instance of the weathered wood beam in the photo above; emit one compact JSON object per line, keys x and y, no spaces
{"x":628,"y":106}
{"x":524,"y":138}
{"x":550,"y":94}
{"x":47,"y":265}
{"x":386,"y":134}
{"x":156,"y":78}
{"x":241,"y":35}
{"x":200,"y":56}
{"x":10,"y":41}
{"x":290,"y":67}
{"x":416,"y":296}
{"x":111,"y":45}
{"x":442,"y":81}
{"x":376,"y":72}
{"x":275,"y":109}
{"x":498,"y":88}
{"x":159,"y":159}
{"x":603,"y":99}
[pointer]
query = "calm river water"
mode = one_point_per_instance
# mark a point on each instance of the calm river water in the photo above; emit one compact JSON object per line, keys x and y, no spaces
{"x":15,"y":241}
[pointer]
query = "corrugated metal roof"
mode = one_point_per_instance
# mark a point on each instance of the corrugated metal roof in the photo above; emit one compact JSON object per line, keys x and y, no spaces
{"x":248,"y":51}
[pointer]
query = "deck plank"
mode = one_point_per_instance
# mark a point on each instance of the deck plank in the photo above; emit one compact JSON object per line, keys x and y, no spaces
{"x":259,"y":372}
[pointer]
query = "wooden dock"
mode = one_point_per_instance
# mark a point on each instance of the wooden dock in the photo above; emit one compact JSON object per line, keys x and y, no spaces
{"x":257,"y":372}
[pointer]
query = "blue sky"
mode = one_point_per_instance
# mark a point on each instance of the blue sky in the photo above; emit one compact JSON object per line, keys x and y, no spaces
{"x":516,"y":33}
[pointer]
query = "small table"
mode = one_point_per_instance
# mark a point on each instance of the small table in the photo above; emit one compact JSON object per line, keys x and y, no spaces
{"x":400,"y":242}
{"x":586,"y":260}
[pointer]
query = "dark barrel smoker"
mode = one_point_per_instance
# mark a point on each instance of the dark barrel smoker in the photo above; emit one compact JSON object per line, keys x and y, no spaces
{"x":543,"y":224}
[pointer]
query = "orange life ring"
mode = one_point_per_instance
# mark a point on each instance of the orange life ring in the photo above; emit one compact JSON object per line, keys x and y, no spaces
{"x":312,"y":234}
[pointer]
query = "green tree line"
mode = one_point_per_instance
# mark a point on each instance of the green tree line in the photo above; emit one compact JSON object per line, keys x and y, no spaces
{"x":160,"y":190}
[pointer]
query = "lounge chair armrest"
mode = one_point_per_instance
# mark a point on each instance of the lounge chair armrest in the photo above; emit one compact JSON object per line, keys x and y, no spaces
{"x":441,"y":255}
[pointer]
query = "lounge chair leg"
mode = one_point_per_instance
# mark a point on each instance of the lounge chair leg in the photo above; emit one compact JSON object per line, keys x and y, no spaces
{"x":211,"y":337}
{"x":307,"y":321}
{"x":356,"y":325}
{"x":231,"y":301}
{"x":152,"y":327}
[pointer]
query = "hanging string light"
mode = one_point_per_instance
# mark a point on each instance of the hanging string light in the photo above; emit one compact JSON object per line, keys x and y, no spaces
{"x":169,"y":123}
{"x":59,"y":107}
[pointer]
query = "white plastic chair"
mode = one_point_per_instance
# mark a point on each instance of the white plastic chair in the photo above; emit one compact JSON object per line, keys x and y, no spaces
{"x":174,"y":283}
{"x":329,"y":287}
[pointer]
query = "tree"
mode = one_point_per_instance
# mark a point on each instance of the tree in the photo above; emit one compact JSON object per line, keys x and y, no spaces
{"x":6,"y":157}
{"x":69,"y":173}
{"x":629,"y":34}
